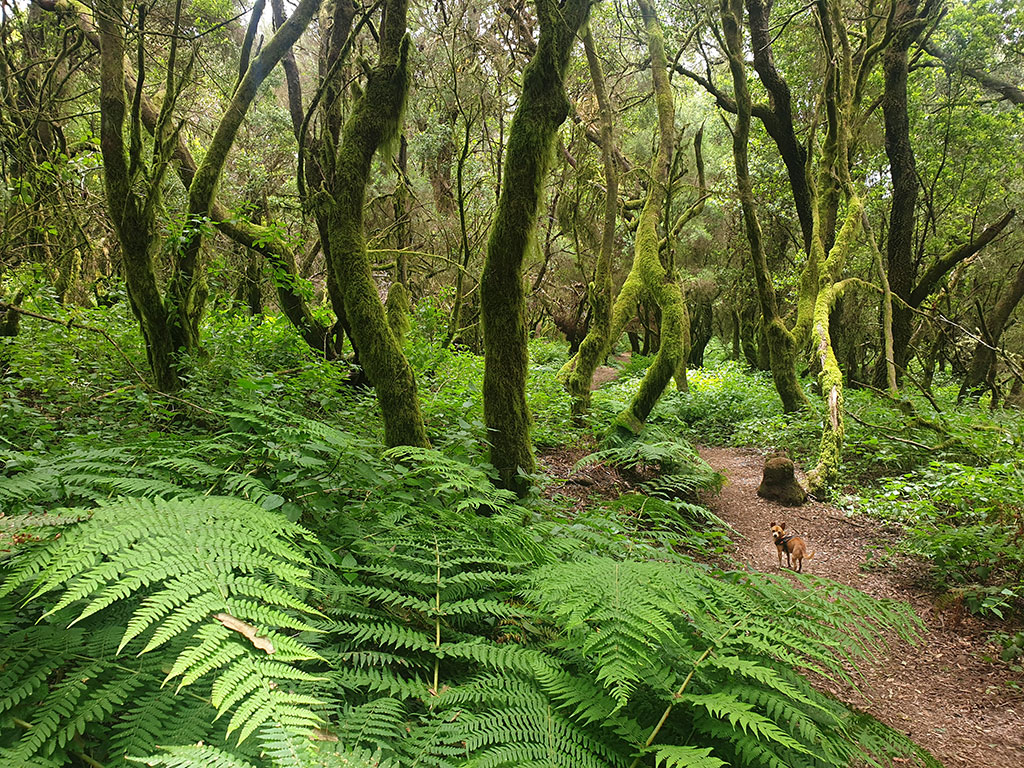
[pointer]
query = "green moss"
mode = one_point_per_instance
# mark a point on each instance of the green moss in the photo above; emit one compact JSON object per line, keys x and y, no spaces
{"x":830,"y":378}
{"x":542,"y":108}
{"x":648,"y":279}
{"x":398,"y":308}
{"x":578,"y":373}
{"x":373,"y":120}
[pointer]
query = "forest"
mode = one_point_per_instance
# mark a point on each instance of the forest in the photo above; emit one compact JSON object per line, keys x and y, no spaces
{"x":436,"y":383}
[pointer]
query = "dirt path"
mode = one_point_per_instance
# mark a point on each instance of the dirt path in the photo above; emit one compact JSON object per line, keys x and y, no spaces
{"x":606,"y":373}
{"x":967,"y":712}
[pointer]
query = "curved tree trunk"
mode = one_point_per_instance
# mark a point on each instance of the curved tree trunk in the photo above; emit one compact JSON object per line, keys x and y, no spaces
{"x":648,"y":278}
{"x":373,"y":121}
{"x":579,"y":371}
{"x":781,"y":343}
{"x":169,"y":323}
{"x":542,"y":108}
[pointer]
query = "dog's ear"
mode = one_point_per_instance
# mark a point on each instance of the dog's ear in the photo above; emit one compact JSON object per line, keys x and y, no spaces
{"x":782,"y":526}
{"x":773,"y":525}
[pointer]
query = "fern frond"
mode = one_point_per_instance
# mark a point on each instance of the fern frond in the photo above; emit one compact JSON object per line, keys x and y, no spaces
{"x":188,"y":573}
{"x":687,"y":757}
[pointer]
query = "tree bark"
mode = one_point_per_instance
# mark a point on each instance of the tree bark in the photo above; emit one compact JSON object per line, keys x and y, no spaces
{"x":132,"y":214}
{"x":781,"y":127}
{"x":984,"y":353}
{"x":579,"y":371}
{"x":186,"y":290}
{"x":542,"y":108}
{"x":648,"y":281}
{"x":907,"y":24}
{"x":373,"y":121}
{"x":1006,"y":89}
{"x":781,"y":343}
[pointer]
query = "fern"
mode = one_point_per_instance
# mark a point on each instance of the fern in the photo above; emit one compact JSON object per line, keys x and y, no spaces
{"x":410,"y":630}
{"x":681,"y":471}
{"x":184,"y":577}
{"x":687,"y":757}
{"x":716,"y":653}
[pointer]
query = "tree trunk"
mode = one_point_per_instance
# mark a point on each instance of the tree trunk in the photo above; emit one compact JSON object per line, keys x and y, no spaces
{"x":579,"y":371}
{"x":831,"y":377}
{"x":700,"y":332}
{"x":542,"y":108}
{"x":903,"y":170}
{"x":187,"y":290}
{"x":781,"y":343}
{"x":372,"y":122}
{"x":133,"y":219}
{"x":648,"y":280}
{"x":984,"y":351}
{"x":456,"y":322}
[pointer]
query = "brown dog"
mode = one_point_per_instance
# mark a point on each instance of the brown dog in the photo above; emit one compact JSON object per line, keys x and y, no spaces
{"x":791,"y":544}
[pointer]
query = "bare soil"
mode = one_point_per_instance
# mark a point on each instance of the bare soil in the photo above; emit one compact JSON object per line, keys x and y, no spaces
{"x":968,"y":712}
{"x":606,"y":373}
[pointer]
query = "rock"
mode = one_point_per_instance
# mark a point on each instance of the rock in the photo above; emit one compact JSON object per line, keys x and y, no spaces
{"x":779,"y":482}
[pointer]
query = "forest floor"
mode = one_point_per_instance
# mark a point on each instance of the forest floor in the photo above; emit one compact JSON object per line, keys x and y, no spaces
{"x":966,"y":711}
{"x":942,"y":692}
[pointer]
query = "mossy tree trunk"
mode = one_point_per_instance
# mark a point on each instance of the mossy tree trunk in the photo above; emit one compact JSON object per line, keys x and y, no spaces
{"x":834,"y":177}
{"x":907,"y":22}
{"x":579,"y":371}
{"x":782,"y":347}
{"x":648,"y":278}
{"x":831,"y":375}
{"x":186,"y":291}
{"x":542,"y":108}
{"x":131,"y":198}
{"x":373,"y":121}
{"x":457,"y":324}
{"x":169,"y":322}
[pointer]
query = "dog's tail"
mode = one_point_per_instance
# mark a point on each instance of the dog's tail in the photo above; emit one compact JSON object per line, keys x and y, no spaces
{"x":810,"y":556}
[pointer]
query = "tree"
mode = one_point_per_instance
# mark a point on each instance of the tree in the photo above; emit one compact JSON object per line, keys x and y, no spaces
{"x":542,"y":108}
{"x":579,"y":371}
{"x":169,"y":322}
{"x":782,"y":346}
{"x":979,"y":375}
{"x":648,"y":280}
{"x":373,"y":121}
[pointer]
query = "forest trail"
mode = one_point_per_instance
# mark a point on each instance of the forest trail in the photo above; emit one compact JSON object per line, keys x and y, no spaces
{"x":940,"y":692}
{"x":605,"y":373}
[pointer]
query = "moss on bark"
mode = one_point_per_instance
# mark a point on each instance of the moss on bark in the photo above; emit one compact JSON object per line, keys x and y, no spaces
{"x":782,"y":347}
{"x":830,"y":452}
{"x":373,"y":121}
{"x":542,"y":108}
{"x":132,"y":213}
{"x":648,"y":279}
{"x":579,"y":371}
{"x":398,"y":308}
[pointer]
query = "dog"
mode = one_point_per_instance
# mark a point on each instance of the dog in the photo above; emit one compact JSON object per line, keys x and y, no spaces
{"x":792,"y":545}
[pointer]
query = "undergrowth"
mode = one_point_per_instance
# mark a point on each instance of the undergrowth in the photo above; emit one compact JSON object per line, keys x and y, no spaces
{"x":263,"y":585}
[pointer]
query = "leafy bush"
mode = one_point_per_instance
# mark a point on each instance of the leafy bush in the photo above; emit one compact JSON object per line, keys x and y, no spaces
{"x":968,"y":522}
